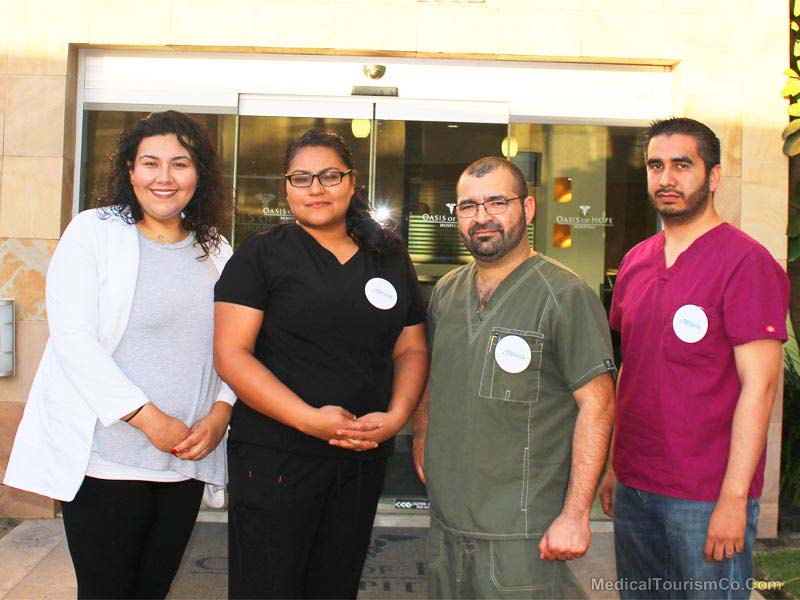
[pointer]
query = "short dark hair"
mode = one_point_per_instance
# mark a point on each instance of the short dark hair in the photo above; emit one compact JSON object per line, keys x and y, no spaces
{"x":486,"y":165}
{"x":208,"y":211}
{"x":361,"y":227}
{"x":708,"y":146}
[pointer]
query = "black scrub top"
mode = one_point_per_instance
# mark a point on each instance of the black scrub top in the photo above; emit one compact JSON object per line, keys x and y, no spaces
{"x":320,"y":336}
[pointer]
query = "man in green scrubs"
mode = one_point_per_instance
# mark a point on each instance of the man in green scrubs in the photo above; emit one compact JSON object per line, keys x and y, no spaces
{"x":512,"y":434}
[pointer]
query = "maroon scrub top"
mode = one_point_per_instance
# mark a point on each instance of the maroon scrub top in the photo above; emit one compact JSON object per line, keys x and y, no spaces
{"x":675,"y":399}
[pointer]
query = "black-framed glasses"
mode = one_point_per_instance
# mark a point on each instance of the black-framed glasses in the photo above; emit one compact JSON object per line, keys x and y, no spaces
{"x":496,"y":205}
{"x":326,"y":178}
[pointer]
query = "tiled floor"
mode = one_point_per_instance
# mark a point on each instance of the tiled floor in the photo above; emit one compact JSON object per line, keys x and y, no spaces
{"x":36,"y":563}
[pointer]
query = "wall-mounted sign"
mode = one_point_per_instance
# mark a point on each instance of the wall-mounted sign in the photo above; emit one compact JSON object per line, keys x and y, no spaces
{"x":585,"y":220}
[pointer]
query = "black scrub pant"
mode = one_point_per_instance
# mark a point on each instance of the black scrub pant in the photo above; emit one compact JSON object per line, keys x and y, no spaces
{"x":298,"y":526}
{"x":127,"y":537}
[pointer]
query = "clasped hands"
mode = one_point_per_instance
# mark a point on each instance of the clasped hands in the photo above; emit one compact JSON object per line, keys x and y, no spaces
{"x":172,"y":435}
{"x":341,"y":428}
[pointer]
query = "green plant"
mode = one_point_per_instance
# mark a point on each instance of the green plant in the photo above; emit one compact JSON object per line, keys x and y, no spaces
{"x":790,"y":453}
{"x":791,"y":134}
{"x":779,"y":571}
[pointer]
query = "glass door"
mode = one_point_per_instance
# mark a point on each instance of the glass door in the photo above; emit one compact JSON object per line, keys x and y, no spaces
{"x":421,"y":150}
{"x":408,"y":156}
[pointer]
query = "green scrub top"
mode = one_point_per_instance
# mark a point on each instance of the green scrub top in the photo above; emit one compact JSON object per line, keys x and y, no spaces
{"x":499,"y":442}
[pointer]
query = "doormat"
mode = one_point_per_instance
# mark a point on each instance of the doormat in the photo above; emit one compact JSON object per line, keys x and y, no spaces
{"x":395,"y":566}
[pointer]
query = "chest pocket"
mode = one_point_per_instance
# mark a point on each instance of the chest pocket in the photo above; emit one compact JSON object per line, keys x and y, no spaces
{"x":498,"y":384}
{"x":707,"y":349}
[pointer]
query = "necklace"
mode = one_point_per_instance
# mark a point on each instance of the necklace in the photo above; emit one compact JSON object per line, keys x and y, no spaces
{"x":155,"y":236}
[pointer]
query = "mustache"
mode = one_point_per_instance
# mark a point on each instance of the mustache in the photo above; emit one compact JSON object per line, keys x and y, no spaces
{"x":484,"y":227}
{"x":661,"y":191}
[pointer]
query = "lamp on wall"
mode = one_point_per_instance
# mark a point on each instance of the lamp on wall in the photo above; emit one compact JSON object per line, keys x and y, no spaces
{"x":360,"y":127}
{"x":7,"y":338}
{"x":562,"y":191}
{"x":509,"y":146}
{"x":562,"y":236}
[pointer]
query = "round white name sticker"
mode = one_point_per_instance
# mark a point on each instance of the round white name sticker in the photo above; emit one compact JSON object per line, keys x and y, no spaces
{"x":690,"y":323}
{"x":380,"y":293}
{"x":512,"y":354}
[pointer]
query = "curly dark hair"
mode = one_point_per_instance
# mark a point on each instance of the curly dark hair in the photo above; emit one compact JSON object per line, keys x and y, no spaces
{"x":208,"y":211}
{"x":365,"y":231}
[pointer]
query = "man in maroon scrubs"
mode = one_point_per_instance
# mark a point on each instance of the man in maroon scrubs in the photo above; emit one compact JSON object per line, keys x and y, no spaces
{"x":701,"y":308}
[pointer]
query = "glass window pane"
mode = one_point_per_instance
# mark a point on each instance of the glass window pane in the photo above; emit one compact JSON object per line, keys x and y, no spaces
{"x":418,"y":165}
{"x":591,"y":195}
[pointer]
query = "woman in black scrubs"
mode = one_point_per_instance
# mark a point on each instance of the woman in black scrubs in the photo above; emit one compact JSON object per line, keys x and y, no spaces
{"x":320,"y":332}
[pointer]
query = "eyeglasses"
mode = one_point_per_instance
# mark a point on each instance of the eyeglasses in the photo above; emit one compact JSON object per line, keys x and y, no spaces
{"x":326,"y":178}
{"x":493,"y":206}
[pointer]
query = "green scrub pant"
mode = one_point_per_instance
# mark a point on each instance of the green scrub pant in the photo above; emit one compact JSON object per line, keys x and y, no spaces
{"x":464,"y":567}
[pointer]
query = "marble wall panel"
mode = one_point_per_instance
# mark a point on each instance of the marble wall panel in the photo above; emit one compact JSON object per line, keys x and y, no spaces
{"x":762,"y":123}
{"x":459,"y":28}
{"x":290,"y":24}
{"x":727,"y":81}
{"x":40,"y":32}
{"x":767,"y":8}
{"x":141,"y":28}
{"x":5,"y":6}
{"x":768,"y":520}
{"x":539,"y":32}
{"x":538,"y":4}
{"x":625,"y":35}
{"x":67,"y":188}
{"x":764,"y":214}
{"x":723,"y":114}
{"x":44,"y":97}
{"x":629,"y":6}
{"x":776,"y":415}
{"x":728,"y":200}
{"x":23,"y":266}
{"x":355,"y":25}
{"x":234,"y":22}
{"x":70,"y":120}
{"x":30,"y":197}
{"x":3,"y":86}
{"x":762,"y":71}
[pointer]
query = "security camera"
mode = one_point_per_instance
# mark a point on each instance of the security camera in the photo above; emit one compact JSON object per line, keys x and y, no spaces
{"x":374,"y":71}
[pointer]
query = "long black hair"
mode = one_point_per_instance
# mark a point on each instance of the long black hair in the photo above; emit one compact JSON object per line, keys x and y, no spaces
{"x":365,"y":231}
{"x":208,"y":211}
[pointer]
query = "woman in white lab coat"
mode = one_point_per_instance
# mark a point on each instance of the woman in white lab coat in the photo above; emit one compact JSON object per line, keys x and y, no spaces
{"x":126,"y":412}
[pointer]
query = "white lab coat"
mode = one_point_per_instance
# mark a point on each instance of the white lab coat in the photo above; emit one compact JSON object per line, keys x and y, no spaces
{"x":89,"y":293}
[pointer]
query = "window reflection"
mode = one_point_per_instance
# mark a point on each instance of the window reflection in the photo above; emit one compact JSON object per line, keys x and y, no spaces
{"x":418,"y":166}
{"x":591,"y":197}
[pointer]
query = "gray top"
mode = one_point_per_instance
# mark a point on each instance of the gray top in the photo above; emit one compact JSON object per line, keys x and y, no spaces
{"x":167,"y":352}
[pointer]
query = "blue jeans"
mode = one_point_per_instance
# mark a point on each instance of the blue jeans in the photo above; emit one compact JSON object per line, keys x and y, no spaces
{"x":659,"y":544}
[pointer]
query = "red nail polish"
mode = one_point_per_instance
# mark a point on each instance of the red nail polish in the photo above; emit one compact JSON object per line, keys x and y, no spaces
{"x":175,"y":451}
